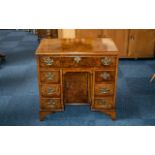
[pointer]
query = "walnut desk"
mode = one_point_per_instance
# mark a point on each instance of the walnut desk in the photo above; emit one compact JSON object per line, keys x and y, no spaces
{"x":76,"y":72}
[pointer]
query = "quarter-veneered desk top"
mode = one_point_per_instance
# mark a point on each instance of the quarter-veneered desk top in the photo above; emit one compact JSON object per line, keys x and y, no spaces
{"x":83,"y":46}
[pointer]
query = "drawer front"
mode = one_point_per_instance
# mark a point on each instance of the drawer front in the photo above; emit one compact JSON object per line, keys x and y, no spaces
{"x":77,"y":61}
{"x":50,"y":90}
{"x":103,"y":76}
{"x":104,"y":89}
{"x":50,"y":76}
{"x":107,"y":61}
{"x":53,"y":103}
{"x":103,"y":103}
{"x":49,"y":61}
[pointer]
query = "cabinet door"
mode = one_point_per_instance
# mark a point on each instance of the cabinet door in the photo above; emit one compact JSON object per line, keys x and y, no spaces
{"x":88,"y":33}
{"x":141,"y":43}
{"x":120,"y":37}
{"x":76,"y":88}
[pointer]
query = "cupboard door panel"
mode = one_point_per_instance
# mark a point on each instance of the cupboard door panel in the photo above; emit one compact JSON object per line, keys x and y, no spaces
{"x":120,"y":37}
{"x":141,"y":43}
{"x":88,"y":33}
{"x":76,"y":87}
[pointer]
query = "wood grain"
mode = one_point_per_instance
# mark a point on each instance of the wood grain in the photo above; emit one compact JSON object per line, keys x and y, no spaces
{"x":72,"y":71}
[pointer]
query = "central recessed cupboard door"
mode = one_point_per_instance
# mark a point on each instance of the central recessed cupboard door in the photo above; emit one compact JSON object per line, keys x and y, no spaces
{"x":76,"y":88}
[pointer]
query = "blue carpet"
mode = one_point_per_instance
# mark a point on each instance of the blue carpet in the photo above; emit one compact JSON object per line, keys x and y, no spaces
{"x":19,"y":99}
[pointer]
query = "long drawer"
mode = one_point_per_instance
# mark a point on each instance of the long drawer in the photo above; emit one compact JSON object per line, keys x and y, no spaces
{"x":77,"y":61}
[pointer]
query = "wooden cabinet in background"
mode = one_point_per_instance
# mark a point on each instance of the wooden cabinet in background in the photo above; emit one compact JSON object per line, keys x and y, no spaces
{"x":88,"y":33}
{"x":132,"y":43}
{"x":120,"y":37}
{"x":47,"y":33}
{"x":141,"y":43}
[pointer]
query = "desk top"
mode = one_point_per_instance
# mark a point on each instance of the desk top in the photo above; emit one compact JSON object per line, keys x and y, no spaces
{"x":98,"y":46}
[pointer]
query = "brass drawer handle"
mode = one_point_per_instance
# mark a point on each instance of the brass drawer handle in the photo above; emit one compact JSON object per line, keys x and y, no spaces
{"x":49,"y":76}
{"x":48,"y":61}
{"x":77,"y":59}
{"x":106,"y":61}
{"x":105,"y":75}
{"x":104,"y":90}
{"x":51,"y":103}
{"x":104,"y":103}
{"x":51,"y":91}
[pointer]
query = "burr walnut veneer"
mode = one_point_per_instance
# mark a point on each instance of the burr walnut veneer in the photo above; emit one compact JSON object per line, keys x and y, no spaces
{"x":76,"y":72}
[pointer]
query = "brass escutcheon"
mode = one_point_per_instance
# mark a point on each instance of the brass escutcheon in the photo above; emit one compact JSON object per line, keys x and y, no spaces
{"x":77,"y":59}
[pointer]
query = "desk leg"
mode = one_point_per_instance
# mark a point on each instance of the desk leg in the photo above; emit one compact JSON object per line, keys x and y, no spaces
{"x":43,"y":114}
{"x":113,"y":116}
